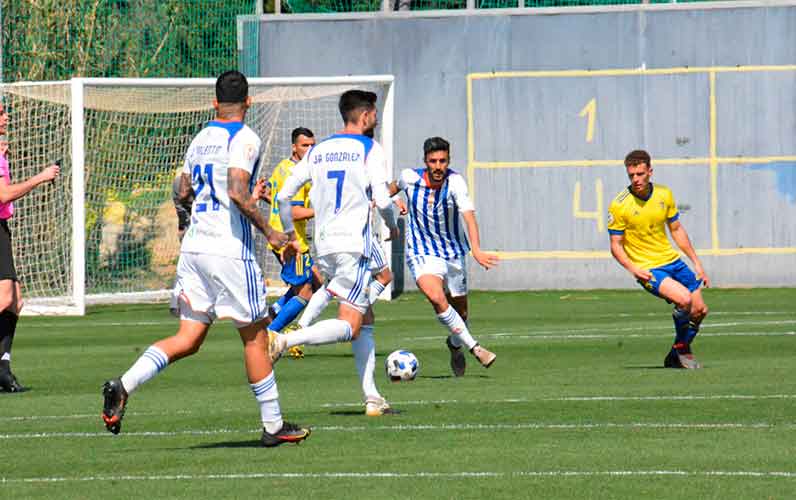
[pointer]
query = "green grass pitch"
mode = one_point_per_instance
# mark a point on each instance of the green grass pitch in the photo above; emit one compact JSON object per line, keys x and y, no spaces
{"x":576,"y":406}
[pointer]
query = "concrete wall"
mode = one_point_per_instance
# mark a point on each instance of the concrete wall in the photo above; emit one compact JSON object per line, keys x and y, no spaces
{"x":724,"y":141}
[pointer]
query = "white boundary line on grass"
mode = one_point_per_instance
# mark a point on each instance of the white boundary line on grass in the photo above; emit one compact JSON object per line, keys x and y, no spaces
{"x":420,"y":402}
{"x":575,"y":398}
{"x":416,"y":427}
{"x":561,"y":335}
{"x":408,"y":475}
{"x":69,"y":323}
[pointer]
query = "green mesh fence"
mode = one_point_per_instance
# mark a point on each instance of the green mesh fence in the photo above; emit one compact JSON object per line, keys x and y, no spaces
{"x":59,"y":39}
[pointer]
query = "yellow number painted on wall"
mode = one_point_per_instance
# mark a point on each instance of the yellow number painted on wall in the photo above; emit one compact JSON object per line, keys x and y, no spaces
{"x":597,"y":215}
{"x":590,"y":110}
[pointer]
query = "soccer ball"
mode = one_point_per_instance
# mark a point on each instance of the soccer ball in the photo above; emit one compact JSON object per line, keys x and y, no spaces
{"x":401,"y":365}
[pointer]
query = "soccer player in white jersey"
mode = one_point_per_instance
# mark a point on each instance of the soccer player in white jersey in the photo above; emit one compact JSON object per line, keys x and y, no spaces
{"x":217,"y":274}
{"x":343,"y":169}
{"x":381,"y":277}
{"x":364,"y":347}
{"x":436,"y":246}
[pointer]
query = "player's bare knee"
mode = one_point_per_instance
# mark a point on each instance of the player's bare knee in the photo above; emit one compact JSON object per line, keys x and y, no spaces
{"x":683,"y":303}
{"x":385,"y":276}
{"x":439,"y":302}
{"x":368,"y":318}
{"x":305,"y":292}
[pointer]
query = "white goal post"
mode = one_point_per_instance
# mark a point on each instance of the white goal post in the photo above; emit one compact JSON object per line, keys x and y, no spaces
{"x":106,"y":230}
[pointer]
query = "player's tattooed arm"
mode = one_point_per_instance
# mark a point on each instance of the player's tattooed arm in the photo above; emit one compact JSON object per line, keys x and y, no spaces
{"x":239,"y":194}
{"x":185,"y":194}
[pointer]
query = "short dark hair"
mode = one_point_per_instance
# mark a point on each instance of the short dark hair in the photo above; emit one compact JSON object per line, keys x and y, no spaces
{"x":353,"y":102}
{"x":300,"y":131}
{"x":637,"y":157}
{"x":232,"y":87}
{"x":435,"y":144}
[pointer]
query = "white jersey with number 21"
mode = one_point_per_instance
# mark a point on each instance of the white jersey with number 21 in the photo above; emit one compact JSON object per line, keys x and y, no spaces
{"x":217,"y":226}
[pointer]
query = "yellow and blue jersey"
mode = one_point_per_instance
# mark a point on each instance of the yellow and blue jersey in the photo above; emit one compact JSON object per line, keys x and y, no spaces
{"x":643,"y":223}
{"x":302,"y":199}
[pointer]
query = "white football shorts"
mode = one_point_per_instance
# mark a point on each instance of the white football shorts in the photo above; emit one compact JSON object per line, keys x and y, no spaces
{"x":452,"y":271}
{"x":347,"y":277}
{"x":211,"y":287}
{"x":378,"y":260}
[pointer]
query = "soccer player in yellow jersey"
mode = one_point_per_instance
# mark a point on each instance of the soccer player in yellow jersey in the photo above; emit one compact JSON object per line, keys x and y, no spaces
{"x":636,"y":222}
{"x":297,"y":271}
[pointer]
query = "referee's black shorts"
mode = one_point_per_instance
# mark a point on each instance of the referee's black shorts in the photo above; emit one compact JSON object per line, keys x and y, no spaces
{"x":7,"y":269}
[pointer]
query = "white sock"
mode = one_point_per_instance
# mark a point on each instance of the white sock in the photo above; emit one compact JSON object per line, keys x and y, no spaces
{"x":375,"y":290}
{"x":457,"y":327}
{"x":320,"y":299}
{"x":267,"y":396}
{"x":147,"y":366}
{"x":328,"y":331}
{"x":364,"y":348}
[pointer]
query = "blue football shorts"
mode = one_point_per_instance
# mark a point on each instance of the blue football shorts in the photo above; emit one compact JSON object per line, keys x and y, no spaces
{"x":676,"y":270}
{"x":297,"y":270}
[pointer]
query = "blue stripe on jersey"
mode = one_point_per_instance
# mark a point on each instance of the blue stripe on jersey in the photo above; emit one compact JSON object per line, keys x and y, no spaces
{"x":456,"y":245}
{"x":446,"y":217}
{"x":438,"y":223}
{"x":231,"y":127}
{"x":427,"y":220}
{"x":456,"y":230}
{"x":413,"y":222}
{"x":439,"y":203}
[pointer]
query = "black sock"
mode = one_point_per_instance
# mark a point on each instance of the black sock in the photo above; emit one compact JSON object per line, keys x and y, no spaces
{"x":8,"y":326}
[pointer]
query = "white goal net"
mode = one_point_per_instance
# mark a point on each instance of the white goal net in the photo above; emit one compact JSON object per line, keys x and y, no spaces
{"x":106,"y":230}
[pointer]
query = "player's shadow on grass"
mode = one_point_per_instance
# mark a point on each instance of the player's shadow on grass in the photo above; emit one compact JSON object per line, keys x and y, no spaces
{"x":249,"y":443}
{"x":360,"y":413}
{"x":347,"y":413}
{"x":6,"y":393}
{"x":644,"y":367}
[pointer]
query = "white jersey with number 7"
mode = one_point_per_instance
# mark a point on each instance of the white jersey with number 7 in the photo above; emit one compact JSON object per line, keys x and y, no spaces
{"x":344,"y":170}
{"x":217,"y":226}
